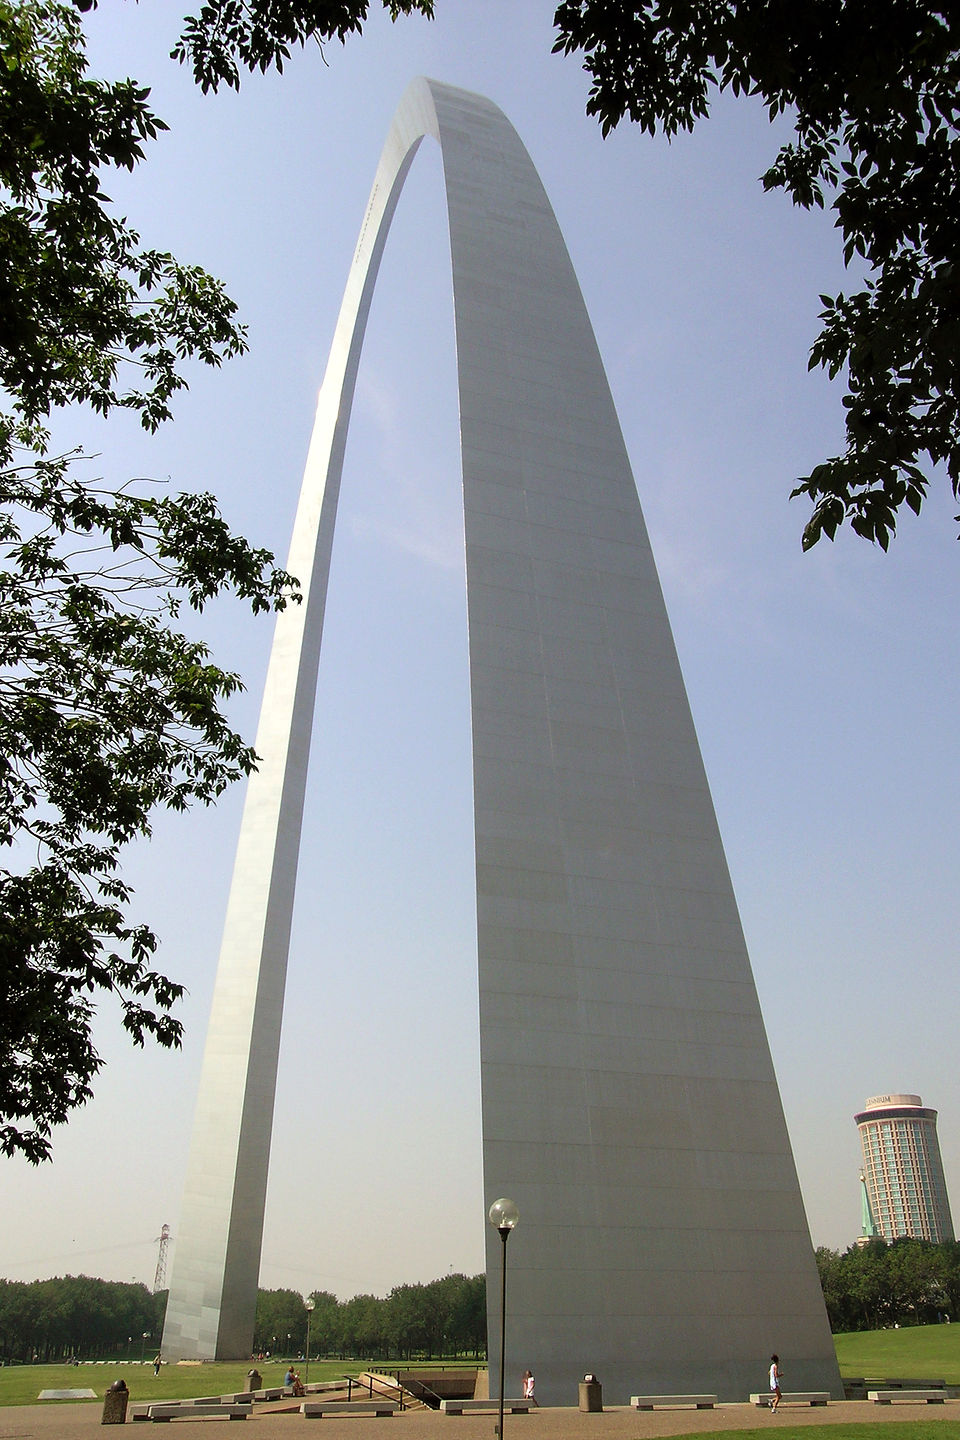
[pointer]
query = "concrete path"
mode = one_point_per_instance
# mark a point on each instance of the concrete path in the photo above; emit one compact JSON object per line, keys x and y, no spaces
{"x":82,"y":1422}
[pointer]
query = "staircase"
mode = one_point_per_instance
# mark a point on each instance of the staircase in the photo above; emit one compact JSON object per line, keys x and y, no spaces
{"x":412,"y":1396}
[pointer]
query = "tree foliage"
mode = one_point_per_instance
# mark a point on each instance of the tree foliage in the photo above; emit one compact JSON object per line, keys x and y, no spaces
{"x":107,"y":710}
{"x":909,"y":1282}
{"x":259,"y":34}
{"x":76,"y":1315}
{"x":280,"y":1313}
{"x":83,"y":308}
{"x":873,"y":89}
{"x":445,"y":1317}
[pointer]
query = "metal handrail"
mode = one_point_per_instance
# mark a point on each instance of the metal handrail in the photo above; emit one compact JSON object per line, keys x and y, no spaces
{"x":421,"y":1391}
{"x":368,"y":1386}
{"x":411,"y":1385}
{"x":381,"y":1390}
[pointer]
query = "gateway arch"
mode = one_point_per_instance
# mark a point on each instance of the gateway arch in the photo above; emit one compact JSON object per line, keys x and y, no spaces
{"x":629,"y":1103}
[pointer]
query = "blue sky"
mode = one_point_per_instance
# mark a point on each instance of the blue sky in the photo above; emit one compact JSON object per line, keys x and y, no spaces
{"x":824,"y":687}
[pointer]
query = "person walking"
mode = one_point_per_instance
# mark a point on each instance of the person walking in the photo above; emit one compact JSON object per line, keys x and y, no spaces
{"x":775,"y":1382}
{"x":529,"y":1385}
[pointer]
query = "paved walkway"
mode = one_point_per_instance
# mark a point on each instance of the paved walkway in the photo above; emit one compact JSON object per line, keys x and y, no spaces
{"x":82,"y":1422}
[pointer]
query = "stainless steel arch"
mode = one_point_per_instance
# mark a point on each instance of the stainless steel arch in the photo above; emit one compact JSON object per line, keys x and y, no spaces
{"x":628,"y":1097}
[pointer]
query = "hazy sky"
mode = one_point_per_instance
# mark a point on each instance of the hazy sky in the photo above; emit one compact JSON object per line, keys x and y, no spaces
{"x":824,"y":687}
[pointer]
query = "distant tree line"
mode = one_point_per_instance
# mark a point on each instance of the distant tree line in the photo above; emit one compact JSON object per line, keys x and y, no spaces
{"x":75,"y":1315}
{"x":78,"y":1316}
{"x":446,"y":1317}
{"x":909,"y":1282}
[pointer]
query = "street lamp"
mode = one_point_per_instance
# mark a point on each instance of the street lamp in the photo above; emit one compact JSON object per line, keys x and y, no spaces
{"x":503,"y":1216}
{"x":311,"y":1306}
{"x":143,"y":1341}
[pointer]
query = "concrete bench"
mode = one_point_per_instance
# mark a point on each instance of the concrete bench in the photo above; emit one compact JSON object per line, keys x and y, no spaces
{"x":191,"y":1410}
{"x":316,"y":1409}
{"x":793,"y":1397}
{"x":247,"y":1397}
{"x":141,"y":1411}
{"x":457,"y":1407}
{"x":886,"y":1397}
{"x":673,"y":1402}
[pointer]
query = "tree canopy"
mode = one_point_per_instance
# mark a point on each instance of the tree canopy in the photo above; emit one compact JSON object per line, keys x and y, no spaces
{"x":259,"y":34}
{"x":76,"y":1315}
{"x":107,"y":710}
{"x":909,"y":1282}
{"x":872,"y":88}
{"x":444,"y":1317}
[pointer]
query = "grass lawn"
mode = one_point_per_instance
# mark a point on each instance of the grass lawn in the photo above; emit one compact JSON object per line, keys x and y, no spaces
{"x":862,"y":1430}
{"x":21,"y":1384}
{"x":923,"y":1352}
{"x":930,"y":1352}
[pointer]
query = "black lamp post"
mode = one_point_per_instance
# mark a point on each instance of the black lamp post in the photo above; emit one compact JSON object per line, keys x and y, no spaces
{"x":503,"y":1216}
{"x":311,"y":1306}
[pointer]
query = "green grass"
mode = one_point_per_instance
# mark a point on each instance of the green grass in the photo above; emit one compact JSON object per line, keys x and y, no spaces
{"x":923,"y":1352}
{"x":860,"y":1430}
{"x":21,"y":1384}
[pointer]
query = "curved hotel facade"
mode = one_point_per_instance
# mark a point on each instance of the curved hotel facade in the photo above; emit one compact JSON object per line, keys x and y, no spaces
{"x":903,"y":1170}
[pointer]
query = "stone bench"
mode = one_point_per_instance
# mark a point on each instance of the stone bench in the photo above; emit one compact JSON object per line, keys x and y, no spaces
{"x":316,"y":1409}
{"x":886,"y":1397}
{"x":247,"y":1397}
{"x":793,"y":1397}
{"x":457,"y":1407}
{"x":141,"y":1411}
{"x":192,"y":1410}
{"x":673,"y":1402}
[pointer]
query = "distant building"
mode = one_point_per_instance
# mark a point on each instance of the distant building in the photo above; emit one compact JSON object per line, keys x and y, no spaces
{"x":903,"y":1182}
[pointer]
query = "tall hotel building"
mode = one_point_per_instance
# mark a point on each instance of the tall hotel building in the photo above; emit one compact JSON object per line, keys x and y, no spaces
{"x":903,"y":1169}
